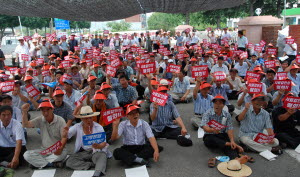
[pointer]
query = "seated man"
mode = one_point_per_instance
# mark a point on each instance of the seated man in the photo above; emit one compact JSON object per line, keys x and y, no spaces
{"x":7,"y":101}
{"x":222,"y":139}
{"x":86,"y":157}
{"x":126,"y":94}
{"x":236,"y":83}
{"x":111,"y":98}
{"x":284,"y":122}
{"x":51,"y":127}
{"x":223,"y":89}
{"x":12,"y":140}
{"x":254,"y":119}
{"x":71,"y":95}
{"x":163,"y":117}
{"x":202,"y":102}
{"x":91,"y":88}
{"x":181,"y":89}
{"x":134,"y":131}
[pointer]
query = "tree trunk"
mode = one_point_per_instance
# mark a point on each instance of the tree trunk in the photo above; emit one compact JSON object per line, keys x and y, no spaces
{"x":218,"y":22}
{"x":251,"y":11}
{"x":27,"y":29}
{"x":279,"y":8}
{"x":13,"y":30}
{"x":187,"y":18}
{"x":1,"y":34}
{"x":45,"y":30}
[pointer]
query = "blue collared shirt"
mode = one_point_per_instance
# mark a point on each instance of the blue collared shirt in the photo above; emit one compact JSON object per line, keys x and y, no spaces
{"x":165,"y":116}
{"x":134,"y":135}
{"x":201,"y":104}
{"x":223,"y":90}
{"x":10,"y":134}
{"x":255,"y":123}
{"x":181,"y":86}
{"x":125,"y":95}
{"x":224,"y":118}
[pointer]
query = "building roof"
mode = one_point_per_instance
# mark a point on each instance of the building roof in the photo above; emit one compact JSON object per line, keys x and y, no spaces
{"x":107,"y":10}
{"x":260,"y":20}
{"x":290,"y":12}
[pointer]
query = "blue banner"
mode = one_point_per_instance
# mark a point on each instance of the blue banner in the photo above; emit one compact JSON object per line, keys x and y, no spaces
{"x":50,"y":84}
{"x":61,"y":24}
{"x":98,"y":138}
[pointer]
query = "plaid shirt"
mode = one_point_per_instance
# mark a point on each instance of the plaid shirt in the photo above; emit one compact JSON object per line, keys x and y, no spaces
{"x":125,"y":95}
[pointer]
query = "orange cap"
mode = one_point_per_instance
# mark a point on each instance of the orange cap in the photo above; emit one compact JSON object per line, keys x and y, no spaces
{"x":33,"y":64}
{"x":205,"y":85}
{"x":91,"y":77}
{"x":218,"y":97}
{"x":105,"y":85}
{"x":99,"y":95}
{"x":46,"y":67}
{"x":162,"y":88}
{"x":46,"y":104}
{"x":71,"y":53}
{"x":103,"y":63}
{"x":295,"y":67}
{"x":28,"y":78}
{"x":82,"y":61}
{"x":58,"y":59}
{"x":52,"y":56}
{"x":29,"y":69}
{"x":193,"y":59}
{"x":257,"y":68}
{"x":257,"y":96}
{"x":131,"y":107}
{"x":95,"y":65}
{"x":52,"y":67}
{"x":154,"y":82}
{"x":58,"y":91}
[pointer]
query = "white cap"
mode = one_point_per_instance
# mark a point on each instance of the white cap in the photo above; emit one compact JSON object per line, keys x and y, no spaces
{"x":170,"y":61}
{"x":163,"y":82}
{"x":166,"y":57}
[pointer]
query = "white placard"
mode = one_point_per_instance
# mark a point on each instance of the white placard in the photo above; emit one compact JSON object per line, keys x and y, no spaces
{"x":79,"y":173}
{"x":137,"y":172}
{"x":298,"y":149}
{"x":268,"y":155}
{"x":44,"y":173}
{"x":200,"y":132}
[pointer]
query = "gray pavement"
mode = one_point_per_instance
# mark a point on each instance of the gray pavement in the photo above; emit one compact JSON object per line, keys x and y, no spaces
{"x":177,"y":161}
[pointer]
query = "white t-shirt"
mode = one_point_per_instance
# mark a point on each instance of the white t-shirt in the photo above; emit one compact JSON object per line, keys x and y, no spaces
{"x":289,"y":51}
{"x":242,"y":69}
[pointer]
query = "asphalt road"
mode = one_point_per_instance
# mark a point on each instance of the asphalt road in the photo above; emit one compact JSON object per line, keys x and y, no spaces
{"x":177,"y":161}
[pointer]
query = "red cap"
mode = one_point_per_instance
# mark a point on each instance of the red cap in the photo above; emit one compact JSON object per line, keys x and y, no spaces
{"x":46,"y":67}
{"x":257,"y":96}
{"x":103,"y":63}
{"x":226,"y":45}
{"x":54,"y":40}
{"x":58,"y":59}
{"x":95,"y":65}
{"x":154,"y":82}
{"x":105,"y":85}
{"x":91,"y":77}
{"x":131,"y":107}
{"x":33,"y":64}
{"x":52,"y":56}
{"x":29,"y":69}
{"x":28,"y":78}
{"x":193,"y":59}
{"x":46,"y":104}
{"x":52,"y":67}
{"x":162,"y":88}
{"x":99,"y":95}
{"x":205,"y":85}
{"x":218,"y":97}
{"x":295,"y":67}
{"x":257,"y":68}
{"x":82,"y":61}
{"x":58,"y":91}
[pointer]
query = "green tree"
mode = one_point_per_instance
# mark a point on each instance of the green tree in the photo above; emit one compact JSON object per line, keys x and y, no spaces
{"x":165,"y":21}
{"x":80,"y":24}
{"x":118,"y":26}
{"x":35,"y":23}
{"x":7,"y":21}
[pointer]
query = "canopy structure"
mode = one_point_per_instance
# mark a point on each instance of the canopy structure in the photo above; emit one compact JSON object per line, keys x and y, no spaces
{"x":106,"y":10}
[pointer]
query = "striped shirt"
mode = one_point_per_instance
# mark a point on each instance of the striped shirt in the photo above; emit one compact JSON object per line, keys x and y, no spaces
{"x":181,"y":86}
{"x":295,"y":80}
{"x":223,"y":90}
{"x":224,"y":118}
{"x":134,"y":135}
{"x":255,"y":123}
{"x":201,"y":104}
{"x":165,"y":116}
{"x":125,"y":95}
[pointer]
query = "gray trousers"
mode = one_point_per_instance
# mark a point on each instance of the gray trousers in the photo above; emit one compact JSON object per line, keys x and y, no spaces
{"x":36,"y":159}
{"x":248,"y":141}
{"x":196,"y":120}
{"x":86,"y":159}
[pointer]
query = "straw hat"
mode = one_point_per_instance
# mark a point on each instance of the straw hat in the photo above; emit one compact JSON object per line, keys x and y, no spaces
{"x":86,"y":112}
{"x":234,"y":168}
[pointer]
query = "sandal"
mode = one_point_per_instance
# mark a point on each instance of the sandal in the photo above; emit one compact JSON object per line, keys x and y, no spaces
{"x":212,"y":162}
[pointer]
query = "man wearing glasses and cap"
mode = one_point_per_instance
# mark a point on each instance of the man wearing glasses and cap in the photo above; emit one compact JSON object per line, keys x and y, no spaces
{"x":51,"y":127}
